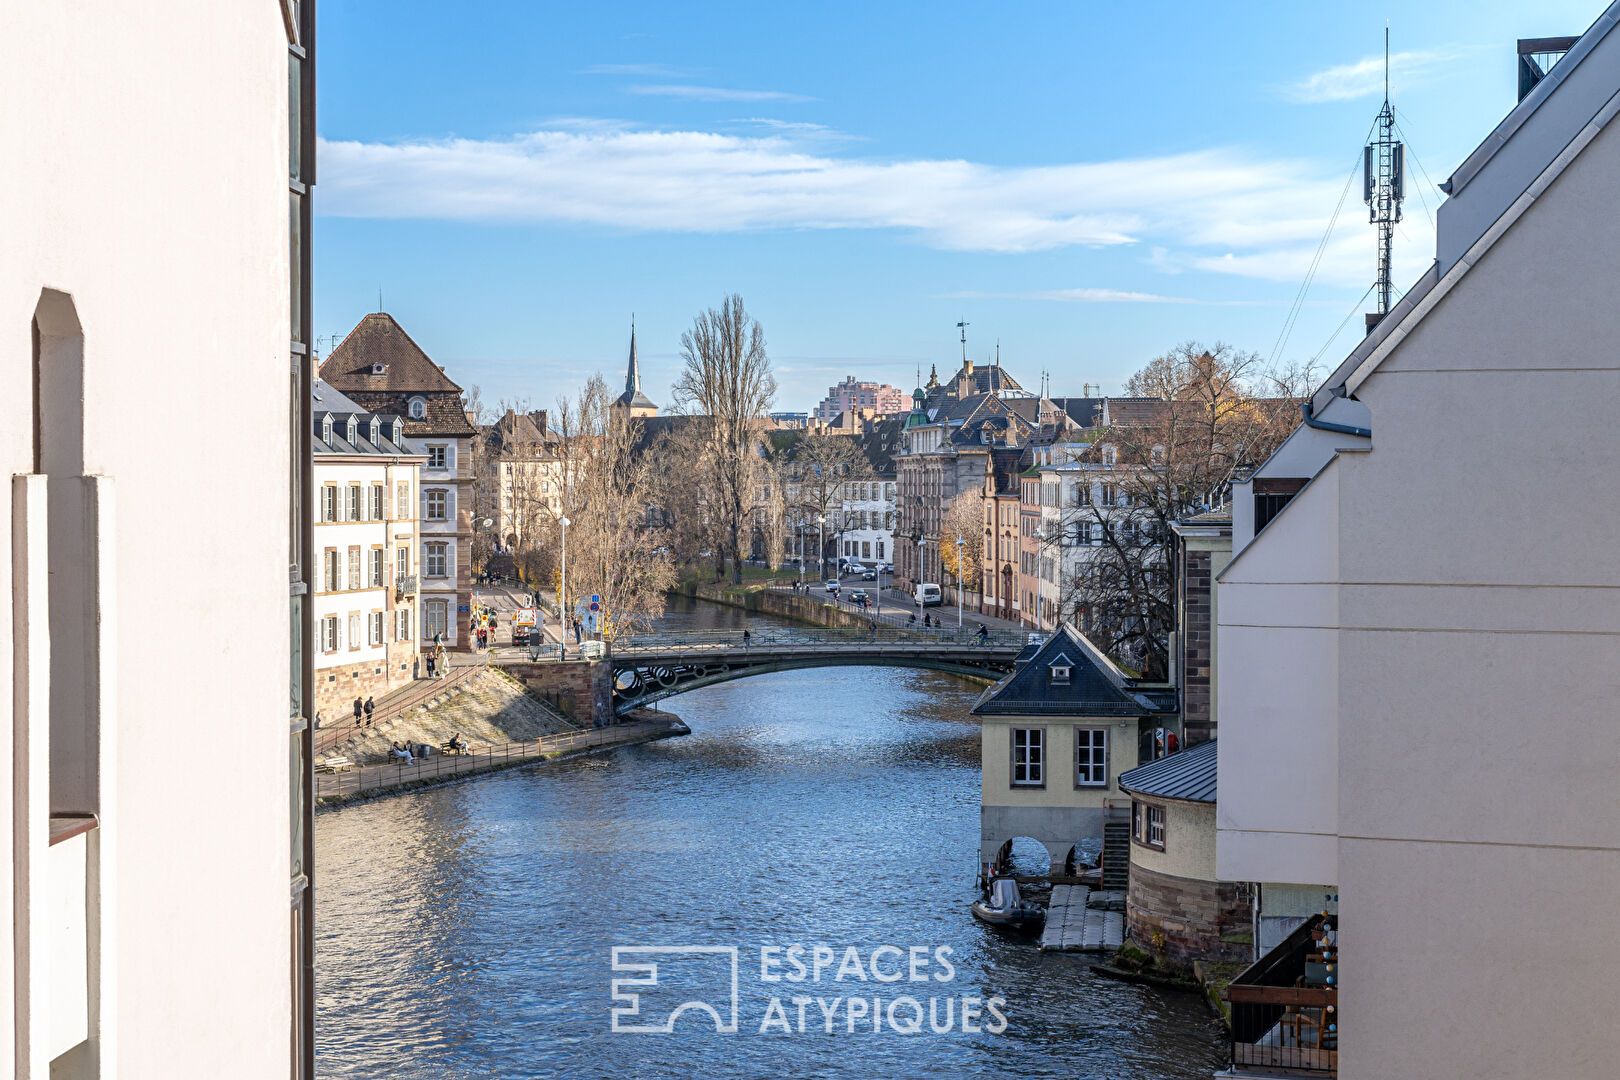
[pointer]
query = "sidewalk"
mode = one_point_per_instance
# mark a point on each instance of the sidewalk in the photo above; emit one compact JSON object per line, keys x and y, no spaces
{"x":898,"y":607}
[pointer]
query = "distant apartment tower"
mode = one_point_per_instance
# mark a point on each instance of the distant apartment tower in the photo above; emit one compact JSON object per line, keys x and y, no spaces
{"x":851,"y":394}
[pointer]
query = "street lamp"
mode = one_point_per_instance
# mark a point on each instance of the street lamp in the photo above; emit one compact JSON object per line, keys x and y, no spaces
{"x":821,"y":544}
{"x":562,"y":596}
{"x":959,"y":543}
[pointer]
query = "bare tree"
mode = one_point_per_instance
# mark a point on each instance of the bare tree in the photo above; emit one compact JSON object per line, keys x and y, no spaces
{"x":965,"y":519}
{"x":816,"y":469}
{"x":614,"y":550}
{"x":1158,"y":461}
{"x":726,"y":383}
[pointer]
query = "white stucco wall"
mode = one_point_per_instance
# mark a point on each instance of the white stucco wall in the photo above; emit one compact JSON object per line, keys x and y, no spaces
{"x":146,"y":176}
{"x":1276,"y":694}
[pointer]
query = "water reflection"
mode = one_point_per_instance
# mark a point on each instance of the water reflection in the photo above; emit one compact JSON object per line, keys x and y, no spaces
{"x":465,"y":931}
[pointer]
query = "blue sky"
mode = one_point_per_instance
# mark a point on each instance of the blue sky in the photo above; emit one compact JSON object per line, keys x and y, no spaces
{"x":1088,"y":183}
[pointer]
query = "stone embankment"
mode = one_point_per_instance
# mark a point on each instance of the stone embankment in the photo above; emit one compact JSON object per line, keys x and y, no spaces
{"x":800,"y":607}
{"x":486,"y":709}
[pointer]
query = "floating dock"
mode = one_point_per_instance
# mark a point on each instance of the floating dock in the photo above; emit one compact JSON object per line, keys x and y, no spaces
{"x":1080,"y":919}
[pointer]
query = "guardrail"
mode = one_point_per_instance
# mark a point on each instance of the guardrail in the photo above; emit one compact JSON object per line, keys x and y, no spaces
{"x":777,"y":637}
{"x":374,"y":777}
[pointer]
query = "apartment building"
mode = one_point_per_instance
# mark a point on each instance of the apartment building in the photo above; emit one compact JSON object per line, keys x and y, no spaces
{"x":384,"y":371}
{"x":520,"y":480}
{"x":853,"y":395}
{"x":158,"y":176}
{"x":1416,"y":680}
{"x":366,"y":480}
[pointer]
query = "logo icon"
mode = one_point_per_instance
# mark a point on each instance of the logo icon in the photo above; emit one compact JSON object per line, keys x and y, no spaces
{"x":709,"y":969}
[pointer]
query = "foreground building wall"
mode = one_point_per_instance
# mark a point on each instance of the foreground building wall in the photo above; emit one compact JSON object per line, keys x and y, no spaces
{"x":146,"y":248}
{"x":1434,"y":662}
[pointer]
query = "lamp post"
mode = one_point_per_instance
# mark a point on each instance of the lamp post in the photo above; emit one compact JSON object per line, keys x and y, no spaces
{"x":821,"y":545}
{"x":562,"y":596}
{"x":922,"y":560}
{"x":959,"y":543}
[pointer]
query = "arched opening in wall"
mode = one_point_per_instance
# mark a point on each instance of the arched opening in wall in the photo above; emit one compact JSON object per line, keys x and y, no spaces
{"x":1084,"y":855}
{"x":74,"y":505}
{"x":1025,"y":856}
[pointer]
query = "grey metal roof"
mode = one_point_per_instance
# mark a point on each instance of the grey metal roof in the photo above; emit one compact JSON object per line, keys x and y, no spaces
{"x":1189,"y":775}
{"x":1095,"y":687}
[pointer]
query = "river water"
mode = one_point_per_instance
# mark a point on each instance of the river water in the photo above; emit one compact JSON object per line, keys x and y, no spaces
{"x":468,"y":930}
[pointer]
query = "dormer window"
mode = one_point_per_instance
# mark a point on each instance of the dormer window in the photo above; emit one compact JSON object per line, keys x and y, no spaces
{"x":352,"y":430}
{"x":1060,"y":671}
{"x":376,"y":430}
{"x":418,"y":408}
{"x":396,"y":432}
{"x":326,"y":429}
{"x":1108,"y":455}
{"x":379,"y":369}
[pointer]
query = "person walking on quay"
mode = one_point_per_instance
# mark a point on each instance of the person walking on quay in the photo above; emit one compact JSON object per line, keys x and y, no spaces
{"x":578,"y":630}
{"x":747,"y":637}
{"x":371,"y":707}
{"x":359,"y":711}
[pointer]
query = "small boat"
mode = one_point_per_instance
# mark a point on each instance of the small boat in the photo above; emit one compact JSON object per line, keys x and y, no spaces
{"x":1003,"y":905}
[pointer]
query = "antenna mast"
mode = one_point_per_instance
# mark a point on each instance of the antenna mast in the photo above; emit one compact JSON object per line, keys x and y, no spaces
{"x":962,"y":326}
{"x":1383,"y":186}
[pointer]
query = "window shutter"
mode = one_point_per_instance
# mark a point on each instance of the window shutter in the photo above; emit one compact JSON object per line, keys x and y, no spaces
{"x":450,"y":505}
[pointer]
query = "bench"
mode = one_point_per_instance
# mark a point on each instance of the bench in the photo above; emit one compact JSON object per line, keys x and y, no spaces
{"x":334,"y":764}
{"x":446,"y":748}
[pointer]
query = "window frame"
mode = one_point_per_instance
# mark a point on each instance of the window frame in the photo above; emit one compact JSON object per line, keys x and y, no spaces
{"x":443,"y":507}
{"x":1094,"y":764}
{"x":436,"y":550}
{"x":438,"y":457}
{"x":1143,"y":816}
{"x":1034,"y":765}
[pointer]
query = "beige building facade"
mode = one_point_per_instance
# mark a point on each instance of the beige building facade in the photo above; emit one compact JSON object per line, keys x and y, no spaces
{"x":1417,"y":676}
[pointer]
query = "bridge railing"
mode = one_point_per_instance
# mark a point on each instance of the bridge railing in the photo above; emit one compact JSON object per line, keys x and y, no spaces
{"x":779,"y":637}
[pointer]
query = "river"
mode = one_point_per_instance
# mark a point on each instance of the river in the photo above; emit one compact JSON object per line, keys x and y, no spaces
{"x":468,"y":930}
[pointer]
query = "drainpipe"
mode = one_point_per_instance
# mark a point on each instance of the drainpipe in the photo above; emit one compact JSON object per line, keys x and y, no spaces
{"x":1324,"y":425}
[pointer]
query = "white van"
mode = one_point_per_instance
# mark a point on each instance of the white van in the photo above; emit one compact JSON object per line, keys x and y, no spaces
{"x":928,"y":596}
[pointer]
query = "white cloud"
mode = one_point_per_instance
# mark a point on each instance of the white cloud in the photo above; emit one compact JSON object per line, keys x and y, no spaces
{"x":1085,"y":296}
{"x":1218,"y":210}
{"x":1365,"y":77}
{"x":710,"y":93}
{"x":648,"y":71}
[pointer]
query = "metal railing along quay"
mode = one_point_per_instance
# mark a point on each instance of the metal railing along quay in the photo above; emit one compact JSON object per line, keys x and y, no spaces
{"x":811,"y":637}
{"x":361,"y":778}
{"x":418,"y":692}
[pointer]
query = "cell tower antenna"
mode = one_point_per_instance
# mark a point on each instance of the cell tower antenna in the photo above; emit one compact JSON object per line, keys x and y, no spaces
{"x":1383,"y":188}
{"x":962,"y":326}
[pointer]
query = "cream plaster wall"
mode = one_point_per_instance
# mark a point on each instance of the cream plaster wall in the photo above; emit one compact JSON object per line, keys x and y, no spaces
{"x":1189,"y":841}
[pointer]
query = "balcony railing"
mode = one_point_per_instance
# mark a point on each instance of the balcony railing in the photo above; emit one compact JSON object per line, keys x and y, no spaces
{"x":1285,"y":1006}
{"x":405,"y":586}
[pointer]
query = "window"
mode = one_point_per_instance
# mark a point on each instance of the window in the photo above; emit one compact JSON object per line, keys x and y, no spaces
{"x":329,"y":634}
{"x":329,"y":503}
{"x":354,"y":567}
{"x":354,"y":502}
{"x":437,"y":506}
{"x":433,"y":618}
{"x":1090,"y":757}
{"x":376,"y":502}
{"x":417,"y":408}
{"x":433,"y":559}
{"x":376,"y":568}
{"x":402,"y":511}
{"x":354,"y":630}
{"x":402,"y":624}
{"x":880,"y":549}
{"x":402,"y":562}
{"x":1110,"y":494}
{"x":1028,"y":757}
{"x":332,"y":575}
{"x":1061,"y":671}
{"x":1147,"y":824}
{"x":376,"y":627}
{"x":436,"y":457}
{"x":1082,"y":494}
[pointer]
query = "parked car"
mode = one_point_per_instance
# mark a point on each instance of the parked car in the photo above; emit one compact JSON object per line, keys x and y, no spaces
{"x":859,"y":597}
{"x":929,"y":595}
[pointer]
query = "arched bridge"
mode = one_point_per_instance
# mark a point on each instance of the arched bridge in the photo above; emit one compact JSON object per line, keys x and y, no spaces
{"x":653,"y":667}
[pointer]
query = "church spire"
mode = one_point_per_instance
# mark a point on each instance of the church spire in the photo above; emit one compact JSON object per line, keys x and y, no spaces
{"x":632,"y":377}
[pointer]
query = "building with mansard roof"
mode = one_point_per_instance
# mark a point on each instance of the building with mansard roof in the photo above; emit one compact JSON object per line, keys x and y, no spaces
{"x":367,"y":474}
{"x":383,"y":370}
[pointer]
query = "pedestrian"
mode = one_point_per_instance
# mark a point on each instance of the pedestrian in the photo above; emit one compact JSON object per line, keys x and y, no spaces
{"x":359,"y":711}
{"x":983,"y":633}
{"x":913,"y":620}
{"x":579,"y":630}
{"x":747,"y":637}
{"x":430,"y":673}
{"x":371,"y":707}
{"x":872,"y":623}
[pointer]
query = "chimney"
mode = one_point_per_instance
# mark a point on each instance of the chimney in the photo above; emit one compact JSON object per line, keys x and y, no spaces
{"x":1373,"y":319}
{"x":967,"y":367}
{"x":539,"y":418}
